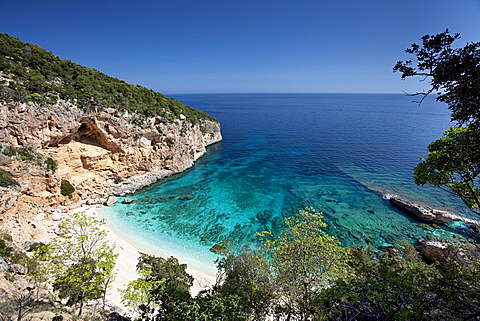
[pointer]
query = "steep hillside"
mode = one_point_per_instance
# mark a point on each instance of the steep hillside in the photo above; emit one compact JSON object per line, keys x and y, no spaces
{"x":64,"y":124}
{"x":29,"y":73}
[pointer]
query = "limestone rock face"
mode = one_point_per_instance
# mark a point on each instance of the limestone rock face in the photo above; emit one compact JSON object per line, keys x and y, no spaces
{"x":96,"y":148}
{"x":465,"y":254}
{"x":429,"y":214}
{"x":434,"y":250}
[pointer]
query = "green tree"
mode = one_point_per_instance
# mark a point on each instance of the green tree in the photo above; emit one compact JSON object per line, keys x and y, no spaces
{"x":137,"y":294}
{"x":81,"y":258}
{"x":81,"y":282}
{"x":394,"y":285}
{"x":212,"y":306}
{"x":459,"y":287}
{"x":246,"y":279}
{"x":163,"y":289}
{"x":452,"y":164}
{"x":454,"y":73}
{"x":305,"y":261}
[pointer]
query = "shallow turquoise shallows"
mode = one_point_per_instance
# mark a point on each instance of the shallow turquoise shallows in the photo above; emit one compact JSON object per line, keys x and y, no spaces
{"x":338,"y":153}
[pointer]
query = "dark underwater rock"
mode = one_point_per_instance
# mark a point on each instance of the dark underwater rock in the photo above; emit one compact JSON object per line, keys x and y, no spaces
{"x":264,"y":217}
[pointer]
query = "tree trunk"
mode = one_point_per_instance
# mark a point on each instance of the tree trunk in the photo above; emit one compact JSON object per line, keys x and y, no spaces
{"x":81,"y":307}
{"x":105,"y":293}
{"x":20,"y":308}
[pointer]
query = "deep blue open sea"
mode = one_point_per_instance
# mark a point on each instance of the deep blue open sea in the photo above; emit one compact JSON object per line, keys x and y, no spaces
{"x":339,"y":153}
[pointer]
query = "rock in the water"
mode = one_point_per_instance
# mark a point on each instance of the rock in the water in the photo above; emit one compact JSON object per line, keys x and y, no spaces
{"x":433,"y":250}
{"x":264,"y":217}
{"x":465,"y":255}
{"x":111,"y":200}
{"x":429,"y":214}
{"x":128,"y":201}
{"x":186,"y":197}
{"x":217,"y":249}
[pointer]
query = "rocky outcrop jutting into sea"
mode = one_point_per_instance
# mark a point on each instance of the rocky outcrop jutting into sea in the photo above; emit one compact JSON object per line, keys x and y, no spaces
{"x":104,"y":150}
{"x":426,"y":213}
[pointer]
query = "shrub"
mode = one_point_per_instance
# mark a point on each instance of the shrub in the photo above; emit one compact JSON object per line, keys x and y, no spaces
{"x":9,"y":151}
{"x":25,"y":154}
{"x":5,"y":250}
{"x":6,"y":179}
{"x":5,"y":235}
{"x":51,"y":164}
{"x":66,"y":188}
{"x":116,"y":179}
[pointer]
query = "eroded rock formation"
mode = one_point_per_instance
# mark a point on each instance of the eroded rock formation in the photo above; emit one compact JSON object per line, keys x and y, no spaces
{"x":98,"y":148}
{"x":429,"y":214}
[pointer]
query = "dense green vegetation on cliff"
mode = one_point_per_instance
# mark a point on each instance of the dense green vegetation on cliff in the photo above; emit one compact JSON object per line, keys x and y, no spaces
{"x":29,"y":72}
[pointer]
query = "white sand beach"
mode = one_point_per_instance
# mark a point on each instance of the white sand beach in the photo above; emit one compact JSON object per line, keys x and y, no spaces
{"x":128,"y":254}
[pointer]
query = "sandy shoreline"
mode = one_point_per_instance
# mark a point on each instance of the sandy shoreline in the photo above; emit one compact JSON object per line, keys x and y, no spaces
{"x":128,"y":254}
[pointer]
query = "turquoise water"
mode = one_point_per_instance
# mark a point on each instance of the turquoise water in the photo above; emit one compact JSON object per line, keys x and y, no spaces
{"x":339,"y":153}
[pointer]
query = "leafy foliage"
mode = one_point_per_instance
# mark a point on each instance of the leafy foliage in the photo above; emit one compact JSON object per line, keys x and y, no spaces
{"x":28,"y":155}
{"x":6,"y":179}
{"x":453,"y":161}
{"x":390,"y":286}
{"x":81,"y":282}
{"x":453,"y":72}
{"x":51,"y":164}
{"x":81,"y":259}
{"x":305,"y":261}
{"x":40,"y":76}
{"x":66,"y":188}
{"x":453,"y":165}
{"x":5,"y":251}
{"x":162,"y":290}
{"x":459,"y":286}
{"x":247,"y":278}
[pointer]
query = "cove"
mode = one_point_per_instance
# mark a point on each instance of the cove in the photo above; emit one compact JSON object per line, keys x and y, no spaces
{"x":338,"y":153}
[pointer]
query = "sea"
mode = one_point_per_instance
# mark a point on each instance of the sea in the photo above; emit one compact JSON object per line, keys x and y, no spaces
{"x":342,"y":154}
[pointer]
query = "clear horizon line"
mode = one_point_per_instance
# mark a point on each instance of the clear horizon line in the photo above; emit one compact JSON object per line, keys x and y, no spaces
{"x":285,"y":93}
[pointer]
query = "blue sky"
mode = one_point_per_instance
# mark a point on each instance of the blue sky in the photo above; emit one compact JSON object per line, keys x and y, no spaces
{"x":233,"y":46}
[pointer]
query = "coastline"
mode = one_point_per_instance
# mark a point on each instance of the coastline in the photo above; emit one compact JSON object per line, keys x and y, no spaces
{"x":128,"y":254}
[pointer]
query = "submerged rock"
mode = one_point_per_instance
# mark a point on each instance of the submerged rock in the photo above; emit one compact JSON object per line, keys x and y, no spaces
{"x":128,"y":201}
{"x":264,"y":217}
{"x":186,"y":197}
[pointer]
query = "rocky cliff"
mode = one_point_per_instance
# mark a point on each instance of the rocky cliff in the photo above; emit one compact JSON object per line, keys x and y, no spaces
{"x":100,"y":151}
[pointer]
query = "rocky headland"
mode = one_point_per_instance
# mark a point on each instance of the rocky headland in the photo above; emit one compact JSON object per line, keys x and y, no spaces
{"x":100,"y":151}
{"x":430,"y":214}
